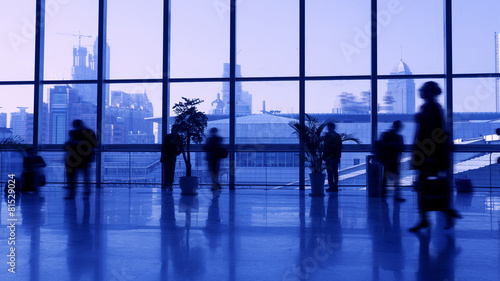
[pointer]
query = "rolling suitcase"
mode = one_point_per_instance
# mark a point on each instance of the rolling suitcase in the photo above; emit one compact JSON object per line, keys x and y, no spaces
{"x":434,"y":194}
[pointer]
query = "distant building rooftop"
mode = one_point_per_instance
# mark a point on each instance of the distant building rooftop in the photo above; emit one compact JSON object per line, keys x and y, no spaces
{"x":258,"y":119}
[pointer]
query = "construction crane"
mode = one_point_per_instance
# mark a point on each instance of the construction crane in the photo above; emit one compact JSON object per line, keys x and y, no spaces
{"x":79,"y":36}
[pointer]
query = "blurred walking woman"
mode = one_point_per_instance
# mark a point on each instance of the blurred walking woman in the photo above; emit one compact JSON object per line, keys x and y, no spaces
{"x":431,"y":152}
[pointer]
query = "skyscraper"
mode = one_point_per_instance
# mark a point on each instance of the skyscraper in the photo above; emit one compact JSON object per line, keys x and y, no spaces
{"x":400,"y":95}
{"x":127,"y":118}
{"x":243,"y":98}
{"x":58,"y":110}
{"x":3,"y":120}
{"x":21,"y":124}
{"x":85,"y":68}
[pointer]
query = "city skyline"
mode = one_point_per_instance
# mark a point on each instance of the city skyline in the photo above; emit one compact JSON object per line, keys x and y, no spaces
{"x":200,"y":45}
{"x":337,"y":44}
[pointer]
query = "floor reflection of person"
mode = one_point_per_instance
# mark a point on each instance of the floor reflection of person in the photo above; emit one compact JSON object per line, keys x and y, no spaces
{"x":80,"y":252}
{"x":183,"y":253}
{"x":333,"y":225}
{"x":31,"y":211}
{"x":320,"y":243}
{"x":440,"y":266}
{"x":170,"y":236}
{"x":387,"y":246}
{"x":213,"y":222}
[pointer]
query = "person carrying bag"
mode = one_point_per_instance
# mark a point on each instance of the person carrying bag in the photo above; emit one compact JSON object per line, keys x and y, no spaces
{"x":431,"y":157}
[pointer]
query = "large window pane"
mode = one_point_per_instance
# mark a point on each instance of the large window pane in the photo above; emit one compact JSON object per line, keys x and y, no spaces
{"x":267,"y":37}
{"x":475,"y":42}
{"x":475,"y":103}
{"x":137,"y":168}
{"x":410,"y":32}
{"x":16,"y":112}
{"x":338,"y":37}
{"x":347,"y":103}
{"x":255,"y":168}
{"x":71,"y":40}
{"x":399,"y":99}
{"x":199,"y":38}
{"x":215,"y":103}
{"x":17,"y":19}
{"x":135,"y":37}
{"x":61,"y":105}
{"x":264,"y":111}
{"x":132,"y":114}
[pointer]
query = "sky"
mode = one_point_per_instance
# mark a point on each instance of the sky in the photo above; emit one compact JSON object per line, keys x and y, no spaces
{"x":267,"y":45}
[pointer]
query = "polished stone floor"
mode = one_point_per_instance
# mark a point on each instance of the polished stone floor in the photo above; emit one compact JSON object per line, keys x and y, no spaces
{"x":151,"y":234}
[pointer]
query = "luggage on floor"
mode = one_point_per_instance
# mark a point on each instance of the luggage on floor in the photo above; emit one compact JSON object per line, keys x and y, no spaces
{"x":374,"y":176}
{"x":463,"y":185}
{"x":433,"y":194}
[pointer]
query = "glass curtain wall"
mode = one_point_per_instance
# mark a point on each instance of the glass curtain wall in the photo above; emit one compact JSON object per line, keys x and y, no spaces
{"x":120,"y":66}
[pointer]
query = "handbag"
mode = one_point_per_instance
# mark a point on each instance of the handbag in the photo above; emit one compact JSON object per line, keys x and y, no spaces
{"x":433,"y":194}
{"x":464,"y":185}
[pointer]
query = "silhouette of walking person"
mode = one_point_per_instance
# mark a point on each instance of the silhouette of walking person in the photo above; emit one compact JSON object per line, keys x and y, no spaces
{"x":215,"y":152}
{"x":333,"y":151}
{"x":170,"y":148}
{"x":431,"y":151}
{"x":80,"y":154}
{"x":391,"y":146}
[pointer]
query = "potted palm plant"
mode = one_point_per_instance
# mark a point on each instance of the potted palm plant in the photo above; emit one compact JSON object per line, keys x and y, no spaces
{"x":190,"y":125}
{"x":13,"y":142}
{"x":312,"y":137}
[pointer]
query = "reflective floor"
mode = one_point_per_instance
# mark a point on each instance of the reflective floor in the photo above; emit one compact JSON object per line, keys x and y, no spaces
{"x":151,"y":234}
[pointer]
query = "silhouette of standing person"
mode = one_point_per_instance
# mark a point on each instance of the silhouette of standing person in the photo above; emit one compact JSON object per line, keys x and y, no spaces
{"x":391,"y":146}
{"x":170,"y":148}
{"x":80,"y":154}
{"x":215,"y":152}
{"x":431,"y":149}
{"x":333,"y":151}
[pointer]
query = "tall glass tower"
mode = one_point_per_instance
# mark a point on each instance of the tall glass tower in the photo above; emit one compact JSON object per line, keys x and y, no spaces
{"x":401,"y":92}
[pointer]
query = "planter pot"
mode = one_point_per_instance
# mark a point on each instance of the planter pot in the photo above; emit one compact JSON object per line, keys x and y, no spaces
{"x":317,"y":184}
{"x":189,"y":185}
